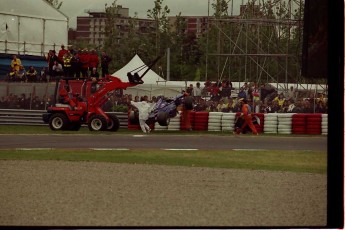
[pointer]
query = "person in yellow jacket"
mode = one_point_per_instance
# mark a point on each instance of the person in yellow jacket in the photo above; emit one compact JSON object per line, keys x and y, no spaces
{"x":67,"y":68}
{"x":16,"y":63}
{"x":280,"y":99}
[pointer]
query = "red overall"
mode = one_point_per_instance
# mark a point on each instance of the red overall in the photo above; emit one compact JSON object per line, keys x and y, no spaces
{"x":64,"y":94}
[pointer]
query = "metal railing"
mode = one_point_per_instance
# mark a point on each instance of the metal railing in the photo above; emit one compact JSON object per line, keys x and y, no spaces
{"x":34,"y":117}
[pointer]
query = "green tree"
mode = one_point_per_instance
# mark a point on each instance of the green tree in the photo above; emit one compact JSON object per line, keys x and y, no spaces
{"x":161,"y":39}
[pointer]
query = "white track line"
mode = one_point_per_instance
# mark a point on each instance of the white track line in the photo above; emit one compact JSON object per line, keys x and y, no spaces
{"x":250,"y":149}
{"x":181,"y":149}
{"x":109,"y":149}
{"x":33,"y":149}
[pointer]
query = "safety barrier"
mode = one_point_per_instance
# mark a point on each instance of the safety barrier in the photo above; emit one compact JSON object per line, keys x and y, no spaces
{"x":270,"y":123}
{"x":34,"y":117}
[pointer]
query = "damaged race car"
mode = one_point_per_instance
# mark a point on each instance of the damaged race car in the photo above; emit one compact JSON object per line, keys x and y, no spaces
{"x":164,"y":109}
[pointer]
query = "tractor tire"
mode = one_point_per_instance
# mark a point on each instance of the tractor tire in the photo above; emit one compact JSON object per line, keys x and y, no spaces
{"x":97,"y":123}
{"x":188,"y":102}
{"x":58,"y":121}
{"x":74,"y":126}
{"x":163,"y":119}
{"x":114,"y":123}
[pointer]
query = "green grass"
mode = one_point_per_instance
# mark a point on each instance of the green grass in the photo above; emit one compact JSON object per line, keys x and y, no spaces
{"x":22,"y":129}
{"x":293,"y":161}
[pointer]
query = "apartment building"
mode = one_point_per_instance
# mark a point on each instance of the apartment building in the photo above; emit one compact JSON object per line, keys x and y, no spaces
{"x":194,"y":24}
{"x":91,"y":28}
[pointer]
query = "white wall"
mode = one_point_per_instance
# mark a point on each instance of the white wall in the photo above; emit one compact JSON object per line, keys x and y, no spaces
{"x":34,"y":22}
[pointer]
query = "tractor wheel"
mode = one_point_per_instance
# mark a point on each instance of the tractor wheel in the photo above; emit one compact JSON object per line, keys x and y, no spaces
{"x":163,"y":119}
{"x":58,"y":121}
{"x":74,"y":126}
{"x":97,"y":123}
{"x":114,"y":123}
{"x":188,"y":102}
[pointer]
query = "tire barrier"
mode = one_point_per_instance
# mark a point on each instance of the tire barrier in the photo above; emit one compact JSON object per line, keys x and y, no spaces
{"x":191,"y":120}
{"x":299,"y":123}
{"x":285,"y":123}
{"x":175,"y":123}
{"x":200,"y":121}
{"x":260,"y":127}
{"x":313,"y":124}
{"x":270,"y":123}
{"x":228,"y":122}
{"x":215,"y":121}
{"x":324,"y":124}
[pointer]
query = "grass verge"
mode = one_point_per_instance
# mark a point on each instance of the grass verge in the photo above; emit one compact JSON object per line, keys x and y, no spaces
{"x":293,"y":161}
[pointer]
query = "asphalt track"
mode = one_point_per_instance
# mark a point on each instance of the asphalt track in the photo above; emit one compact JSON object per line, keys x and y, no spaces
{"x":157,"y":141}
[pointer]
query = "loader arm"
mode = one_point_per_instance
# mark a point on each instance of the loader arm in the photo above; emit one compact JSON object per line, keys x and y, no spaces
{"x":111,"y":84}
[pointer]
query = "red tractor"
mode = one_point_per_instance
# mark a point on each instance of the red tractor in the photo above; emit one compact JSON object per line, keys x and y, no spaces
{"x":70,"y":111}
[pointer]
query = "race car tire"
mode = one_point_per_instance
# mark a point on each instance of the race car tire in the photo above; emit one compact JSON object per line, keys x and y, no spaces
{"x":97,"y":123}
{"x":163,"y":119}
{"x":58,"y":121}
{"x":114,"y":123}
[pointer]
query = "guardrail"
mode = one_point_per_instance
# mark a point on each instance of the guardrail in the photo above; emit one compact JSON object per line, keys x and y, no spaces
{"x":34,"y":117}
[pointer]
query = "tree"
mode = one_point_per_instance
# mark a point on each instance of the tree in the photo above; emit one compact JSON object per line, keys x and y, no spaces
{"x":160,"y":15}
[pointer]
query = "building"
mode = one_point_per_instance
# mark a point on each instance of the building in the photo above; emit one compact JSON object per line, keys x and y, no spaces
{"x":92,"y":28}
{"x":194,"y":24}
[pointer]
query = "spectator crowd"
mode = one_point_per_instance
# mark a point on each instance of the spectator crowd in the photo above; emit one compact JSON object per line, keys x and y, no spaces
{"x":78,"y":64}
{"x":212,"y":96}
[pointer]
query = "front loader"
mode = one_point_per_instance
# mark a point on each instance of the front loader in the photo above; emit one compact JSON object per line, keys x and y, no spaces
{"x":71,"y":110}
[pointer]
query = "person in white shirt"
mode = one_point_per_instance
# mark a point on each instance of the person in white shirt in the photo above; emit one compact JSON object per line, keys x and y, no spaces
{"x":144,"y":109}
{"x":197,"y":92}
{"x":57,"y":69}
{"x":291,"y":105}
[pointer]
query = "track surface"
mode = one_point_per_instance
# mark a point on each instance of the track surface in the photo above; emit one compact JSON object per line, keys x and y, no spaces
{"x":154,"y":141}
{"x":58,"y":193}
